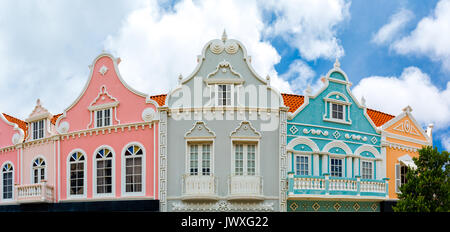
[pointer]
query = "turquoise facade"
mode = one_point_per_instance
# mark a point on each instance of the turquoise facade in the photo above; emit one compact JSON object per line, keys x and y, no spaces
{"x":334,"y":149}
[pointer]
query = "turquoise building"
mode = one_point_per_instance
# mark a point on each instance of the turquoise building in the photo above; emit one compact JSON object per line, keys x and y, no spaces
{"x":335,"y":158}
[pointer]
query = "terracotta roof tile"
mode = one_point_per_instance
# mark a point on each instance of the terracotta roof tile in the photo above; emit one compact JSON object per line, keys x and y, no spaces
{"x":160,"y":99}
{"x":54,"y":118}
{"x":22,"y":124}
{"x":379,"y":118}
{"x":294,"y":101}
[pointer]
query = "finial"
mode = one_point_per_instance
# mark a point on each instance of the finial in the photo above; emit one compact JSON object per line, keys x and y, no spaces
{"x":180,"y":77}
{"x":308,"y":90}
{"x":363,"y":101}
{"x":224,"y":35}
{"x":337,"y":64}
{"x":268,"y":79}
{"x":38,"y":102}
{"x":407,"y":109}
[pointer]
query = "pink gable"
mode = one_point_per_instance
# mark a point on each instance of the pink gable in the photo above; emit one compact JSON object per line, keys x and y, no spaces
{"x":104,"y":89}
{"x":10,"y":133}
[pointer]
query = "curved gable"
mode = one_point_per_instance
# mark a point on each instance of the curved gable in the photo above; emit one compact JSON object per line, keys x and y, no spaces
{"x":11,"y":131}
{"x":105,"y":88}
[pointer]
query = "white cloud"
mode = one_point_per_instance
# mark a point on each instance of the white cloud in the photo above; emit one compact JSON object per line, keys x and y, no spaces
{"x":300,"y":75}
{"x":391,"y":94}
{"x":396,"y":23}
{"x":431,"y":36}
{"x":156,"y":46}
{"x":445,"y":141}
{"x":309,"y":26}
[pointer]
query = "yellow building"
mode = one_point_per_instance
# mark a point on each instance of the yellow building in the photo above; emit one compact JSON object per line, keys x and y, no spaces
{"x":402,"y":137}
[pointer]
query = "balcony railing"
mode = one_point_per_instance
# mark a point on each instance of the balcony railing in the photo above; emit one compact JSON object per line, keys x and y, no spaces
{"x":245,"y":187}
{"x":319,"y":186}
{"x":31,"y":193}
{"x":199,"y":187}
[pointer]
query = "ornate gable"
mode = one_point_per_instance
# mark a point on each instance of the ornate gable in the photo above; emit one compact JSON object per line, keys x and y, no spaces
{"x":224,"y":73}
{"x":39,"y":112}
{"x":406,"y":126}
{"x":200,"y":130}
{"x":245,"y":130}
{"x":103,"y":100}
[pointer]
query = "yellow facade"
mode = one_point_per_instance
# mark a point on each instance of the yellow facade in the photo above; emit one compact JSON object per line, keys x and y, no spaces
{"x":402,"y":136}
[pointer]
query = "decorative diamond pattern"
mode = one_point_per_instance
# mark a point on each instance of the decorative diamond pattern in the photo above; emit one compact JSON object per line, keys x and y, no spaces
{"x":316,"y":206}
{"x":294,"y":206}
{"x":374,"y":207}
{"x":356,"y":207}
{"x":293,"y":130}
{"x":336,"y":134}
{"x":374,"y":140}
{"x":337,"y":206}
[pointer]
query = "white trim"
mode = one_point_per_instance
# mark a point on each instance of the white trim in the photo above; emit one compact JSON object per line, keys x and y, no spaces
{"x":338,"y":144}
{"x":85,"y":174}
{"x":199,"y":158}
{"x":370,"y":149}
{"x":333,"y":128}
{"x":302,"y":140}
{"x":32,"y":169}
{"x":245,"y":144}
{"x":94,"y":173}
{"x":143,"y":170}
{"x":13,"y":182}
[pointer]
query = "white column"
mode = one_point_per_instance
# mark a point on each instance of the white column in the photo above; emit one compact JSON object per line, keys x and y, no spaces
{"x":324,"y":164}
{"x":349,"y":167}
{"x":356,"y":167}
{"x":379,"y":174}
{"x":316,"y":167}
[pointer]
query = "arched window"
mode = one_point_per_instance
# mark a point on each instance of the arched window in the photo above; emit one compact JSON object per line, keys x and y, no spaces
{"x":77,"y":175}
{"x":7,"y":174}
{"x":133,"y":169}
{"x":104,"y":168}
{"x":38,"y":170}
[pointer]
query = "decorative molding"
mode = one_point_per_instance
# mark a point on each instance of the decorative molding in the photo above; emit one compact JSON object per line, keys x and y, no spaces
{"x":315,"y":132}
{"x":103,"y":93}
{"x":245,"y":130}
{"x":200,"y":130}
{"x":223,"y":206}
{"x":406,"y":127}
{"x":224,"y":66}
{"x":38,"y":113}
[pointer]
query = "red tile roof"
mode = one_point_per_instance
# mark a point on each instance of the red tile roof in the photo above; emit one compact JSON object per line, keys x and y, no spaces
{"x":160,"y":99}
{"x":379,"y":118}
{"x":294,"y":101}
{"x":22,"y":124}
{"x":54,"y":118}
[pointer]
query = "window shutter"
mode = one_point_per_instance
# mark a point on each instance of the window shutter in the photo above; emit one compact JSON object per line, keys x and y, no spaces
{"x":397,"y":178}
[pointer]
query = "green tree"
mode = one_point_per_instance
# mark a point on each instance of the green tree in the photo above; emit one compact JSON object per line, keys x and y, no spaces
{"x":427,"y":188}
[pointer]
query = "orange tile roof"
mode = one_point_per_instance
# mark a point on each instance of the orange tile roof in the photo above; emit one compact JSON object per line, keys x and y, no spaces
{"x":54,"y":118}
{"x":294,"y":101}
{"x":22,"y":124}
{"x":379,"y":118}
{"x":160,"y":99}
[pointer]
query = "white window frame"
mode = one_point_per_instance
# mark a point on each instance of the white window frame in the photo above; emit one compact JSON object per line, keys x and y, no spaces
{"x":103,"y":119}
{"x":113,"y":174}
{"x":200,"y":144}
{"x":2,"y":187}
{"x":68,"y":185}
{"x":308,"y":164}
{"x":332,"y":104}
{"x":328,"y":116}
{"x":143,"y":170}
{"x":365,"y":172}
{"x":40,"y":179}
{"x":218,"y":93}
{"x":400,"y":177}
{"x":342,"y":166}
{"x":38,"y":129}
{"x":245,"y":167}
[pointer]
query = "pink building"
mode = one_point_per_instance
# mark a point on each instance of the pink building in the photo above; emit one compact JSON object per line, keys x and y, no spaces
{"x":101,"y":149}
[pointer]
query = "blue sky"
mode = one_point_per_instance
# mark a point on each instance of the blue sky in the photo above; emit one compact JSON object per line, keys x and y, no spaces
{"x":396,"y":53}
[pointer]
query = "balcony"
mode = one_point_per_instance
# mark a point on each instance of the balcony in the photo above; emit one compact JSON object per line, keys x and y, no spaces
{"x":195,"y":187}
{"x":336,"y":187}
{"x":245,"y":187}
{"x":34,"y":193}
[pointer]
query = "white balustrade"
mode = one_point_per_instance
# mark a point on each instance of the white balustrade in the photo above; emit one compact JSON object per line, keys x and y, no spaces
{"x":245,"y":186}
{"x":199,"y":187}
{"x":41,"y":192}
